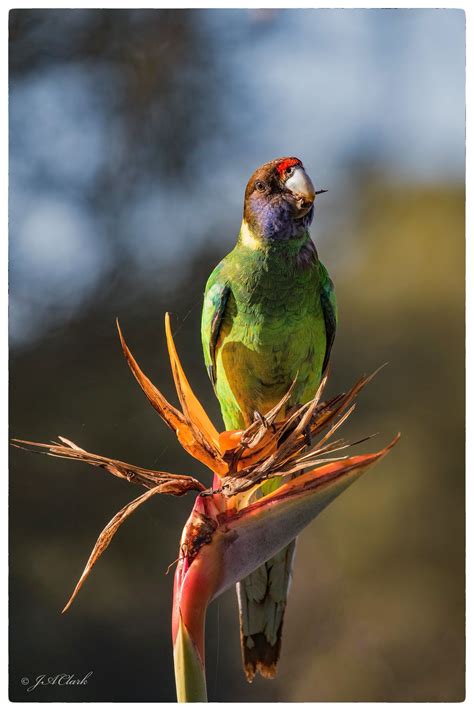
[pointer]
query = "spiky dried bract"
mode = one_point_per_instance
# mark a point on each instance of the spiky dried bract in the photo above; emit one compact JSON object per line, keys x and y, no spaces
{"x":156,"y":482}
{"x":195,"y":432}
{"x":169,"y":414}
{"x":193,"y":411}
{"x":295,"y":439}
{"x":312,"y":480}
{"x":109,"y":532}
{"x":177,"y":484}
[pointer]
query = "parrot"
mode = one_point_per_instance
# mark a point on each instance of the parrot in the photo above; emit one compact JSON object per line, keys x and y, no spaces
{"x":268,"y":322}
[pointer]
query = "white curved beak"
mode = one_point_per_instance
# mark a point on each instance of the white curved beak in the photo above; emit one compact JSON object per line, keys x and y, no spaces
{"x":301,"y":186}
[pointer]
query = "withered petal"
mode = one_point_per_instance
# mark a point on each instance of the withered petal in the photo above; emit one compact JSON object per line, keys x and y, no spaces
{"x":192,"y":408}
{"x":190,"y":436}
{"x":109,"y":532}
{"x":169,"y":414}
{"x":136,"y":475}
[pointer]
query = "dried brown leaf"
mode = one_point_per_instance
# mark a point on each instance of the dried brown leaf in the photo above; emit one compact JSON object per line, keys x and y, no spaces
{"x":173,"y":417}
{"x":109,"y":532}
{"x":177,"y":484}
{"x":291,"y":455}
{"x":192,"y":408}
{"x":189,"y":437}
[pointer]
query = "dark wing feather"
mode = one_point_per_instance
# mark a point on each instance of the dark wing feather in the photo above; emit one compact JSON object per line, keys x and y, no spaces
{"x":216,"y":324}
{"x":329,"y":306}
{"x":215,"y":302}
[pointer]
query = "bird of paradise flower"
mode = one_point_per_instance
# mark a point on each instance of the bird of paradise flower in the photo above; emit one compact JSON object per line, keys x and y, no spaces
{"x":232,"y":528}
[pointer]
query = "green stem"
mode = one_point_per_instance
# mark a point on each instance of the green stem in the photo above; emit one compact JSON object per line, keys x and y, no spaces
{"x":189,"y":668}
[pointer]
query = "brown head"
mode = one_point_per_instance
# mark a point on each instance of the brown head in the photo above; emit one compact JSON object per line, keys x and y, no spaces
{"x":279,"y":200}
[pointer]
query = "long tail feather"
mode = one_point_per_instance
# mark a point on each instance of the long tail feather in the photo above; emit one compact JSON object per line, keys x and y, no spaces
{"x":262,"y":599}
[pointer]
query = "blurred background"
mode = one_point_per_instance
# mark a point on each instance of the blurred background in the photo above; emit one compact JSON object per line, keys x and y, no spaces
{"x":132,"y":136}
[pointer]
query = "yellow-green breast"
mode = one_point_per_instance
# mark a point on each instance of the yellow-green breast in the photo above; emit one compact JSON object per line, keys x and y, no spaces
{"x":272,"y":329}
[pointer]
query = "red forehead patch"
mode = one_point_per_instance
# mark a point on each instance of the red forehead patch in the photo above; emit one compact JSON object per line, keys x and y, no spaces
{"x":287,"y":163}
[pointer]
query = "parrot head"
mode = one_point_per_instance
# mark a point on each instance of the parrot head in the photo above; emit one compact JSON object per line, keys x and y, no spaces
{"x":279,"y":200}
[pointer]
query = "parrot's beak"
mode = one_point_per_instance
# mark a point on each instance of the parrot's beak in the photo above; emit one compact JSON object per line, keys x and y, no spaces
{"x":302,"y":189}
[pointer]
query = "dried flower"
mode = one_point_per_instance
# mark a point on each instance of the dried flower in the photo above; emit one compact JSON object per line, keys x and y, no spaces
{"x":232,"y":528}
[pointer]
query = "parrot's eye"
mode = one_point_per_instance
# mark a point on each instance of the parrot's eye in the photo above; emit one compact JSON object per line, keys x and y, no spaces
{"x":260,"y":186}
{"x":289,"y":170}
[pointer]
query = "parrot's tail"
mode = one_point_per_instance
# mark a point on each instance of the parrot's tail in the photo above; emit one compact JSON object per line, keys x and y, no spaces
{"x":262,"y":602}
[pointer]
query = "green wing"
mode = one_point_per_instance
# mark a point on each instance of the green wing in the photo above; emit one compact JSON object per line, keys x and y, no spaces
{"x":329,"y":305}
{"x":215,"y":301}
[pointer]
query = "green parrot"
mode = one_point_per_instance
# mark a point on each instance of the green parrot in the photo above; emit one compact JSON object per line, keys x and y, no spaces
{"x":269,"y":317}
